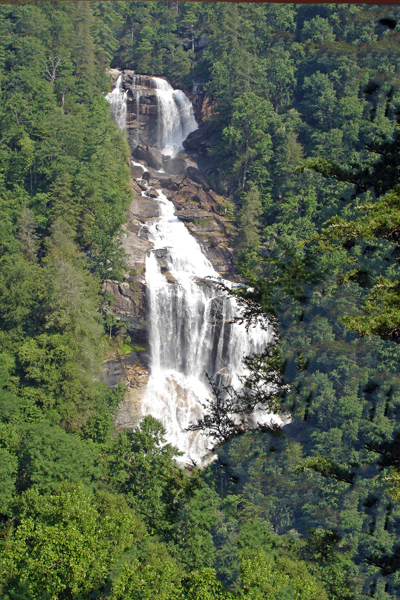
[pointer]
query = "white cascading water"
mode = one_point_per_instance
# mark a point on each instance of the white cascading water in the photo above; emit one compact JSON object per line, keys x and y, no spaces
{"x":175,"y":117}
{"x":117,"y":100}
{"x":191,"y":327}
{"x":191,"y":332}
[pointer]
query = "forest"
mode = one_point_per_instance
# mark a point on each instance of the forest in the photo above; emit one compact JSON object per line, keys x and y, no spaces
{"x":303,"y":103}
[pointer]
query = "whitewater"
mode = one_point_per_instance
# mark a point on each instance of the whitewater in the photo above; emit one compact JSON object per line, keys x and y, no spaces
{"x":191,"y":320}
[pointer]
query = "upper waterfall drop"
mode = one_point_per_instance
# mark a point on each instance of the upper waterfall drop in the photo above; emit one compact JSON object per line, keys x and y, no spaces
{"x":175,"y":117}
{"x":117,"y":100}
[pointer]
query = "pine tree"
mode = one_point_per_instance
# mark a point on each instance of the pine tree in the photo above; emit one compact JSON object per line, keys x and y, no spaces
{"x":249,"y":222}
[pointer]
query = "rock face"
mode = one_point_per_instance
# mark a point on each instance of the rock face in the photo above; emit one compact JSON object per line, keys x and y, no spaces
{"x":136,"y":376}
{"x":141,"y":122}
{"x":198,"y":177}
{"x":204,"y":214}
{"x":130,"y":306}
{"x":200,"y":139}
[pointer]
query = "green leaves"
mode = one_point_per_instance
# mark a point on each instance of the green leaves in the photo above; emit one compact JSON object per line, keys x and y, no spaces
{"x":142,"y":466}
{"x":48,"y":456}
{"x":327,"y":469}
{"x":266,"y":579}
{"x":62,"y":545}
{"x":248,"y":138}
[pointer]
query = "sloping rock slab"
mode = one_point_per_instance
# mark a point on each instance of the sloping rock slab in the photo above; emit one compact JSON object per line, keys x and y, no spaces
{"x":144,"y":208}
{"x":137,"y":171}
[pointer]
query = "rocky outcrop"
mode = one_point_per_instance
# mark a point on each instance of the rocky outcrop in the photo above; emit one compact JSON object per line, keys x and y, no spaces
{"x":142,"y":108}
{"x":130,"y":295}
{"x":136,"y":376}
{"x":205,"y":214}
{"x":137,"y":171}
{"x":200,"y":139}
{"x":198,"y":177}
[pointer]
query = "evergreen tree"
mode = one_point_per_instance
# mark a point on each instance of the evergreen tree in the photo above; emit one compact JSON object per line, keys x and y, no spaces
{"x":249,"y":222}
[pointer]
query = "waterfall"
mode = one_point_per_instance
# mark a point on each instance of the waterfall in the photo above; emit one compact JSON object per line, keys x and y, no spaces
{"x":191,"y":332}
{"x":117,"y":100}
{"x":191,"y":326}
{"x":175,"y":117}
{"x":137,"y":115}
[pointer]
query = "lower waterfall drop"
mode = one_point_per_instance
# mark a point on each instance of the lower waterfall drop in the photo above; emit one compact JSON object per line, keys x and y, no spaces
{"x":191,"y":332}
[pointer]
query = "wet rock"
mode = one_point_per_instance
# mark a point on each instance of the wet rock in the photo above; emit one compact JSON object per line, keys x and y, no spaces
{"x":146,"y":176}
{"x":137,"y":171}
{"x":153,"y":193}
{"x":174,"y":166}
{"x":170,"y":278}
{"x":161,"y":255}
{"x":150,"y":155}
{"x":144,"y":208}
{"x":135,"y":187}
{"x":156,"y":176}
{"x":161,"y":252}
{"x":128,"y":75}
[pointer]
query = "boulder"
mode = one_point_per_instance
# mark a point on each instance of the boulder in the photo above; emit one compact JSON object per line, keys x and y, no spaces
{"x":174,"y":166}
{"x":151,"y":156}
{"x":146,"y":176}
{"x":143,"y":209}
{"x":153,"y":193}
{"x":199,"y":139}
{"x":162,"y":255}
{"x":198,"y":177}
{"x":169,"y":184}
{"x":137,"y":171}
{"x":135,"y":187}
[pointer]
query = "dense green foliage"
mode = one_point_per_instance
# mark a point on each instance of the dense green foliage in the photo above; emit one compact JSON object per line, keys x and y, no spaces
{"x":304,"y":103}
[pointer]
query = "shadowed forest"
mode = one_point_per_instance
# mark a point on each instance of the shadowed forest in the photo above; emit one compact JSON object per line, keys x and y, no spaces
{"x":301,"y":105}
